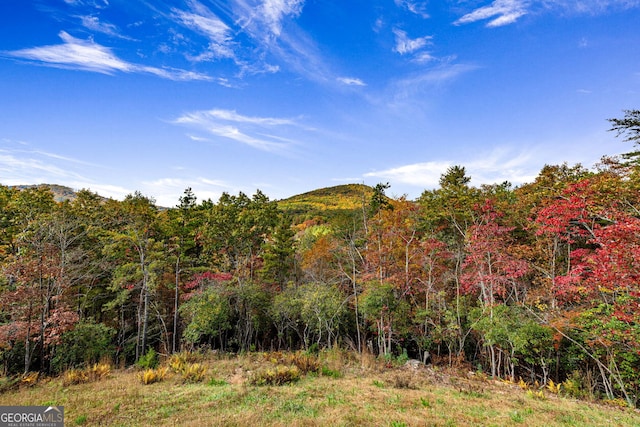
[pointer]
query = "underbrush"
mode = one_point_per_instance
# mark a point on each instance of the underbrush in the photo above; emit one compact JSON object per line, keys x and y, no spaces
{"x":96,"y":372}
{"x":150,"y":375}
{"x":280,"y":375}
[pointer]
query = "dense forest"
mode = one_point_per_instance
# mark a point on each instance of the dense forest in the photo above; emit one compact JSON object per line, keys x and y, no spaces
{"x":539,"y":282}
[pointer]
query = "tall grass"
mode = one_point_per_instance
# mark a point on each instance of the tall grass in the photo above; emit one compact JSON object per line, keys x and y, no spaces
{"x":372,"y":395}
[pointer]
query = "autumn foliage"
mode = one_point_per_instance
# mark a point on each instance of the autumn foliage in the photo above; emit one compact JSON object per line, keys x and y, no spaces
{"x":539,"y":283}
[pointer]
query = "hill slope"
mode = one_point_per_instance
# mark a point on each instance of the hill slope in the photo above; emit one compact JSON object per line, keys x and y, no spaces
{"x":358,"y":393}
{"x":60,"y":192}
{"x":327,"y":202}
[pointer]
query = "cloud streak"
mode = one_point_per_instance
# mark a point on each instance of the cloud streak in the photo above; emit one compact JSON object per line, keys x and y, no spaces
{"x":351,"y":81}
{"x":406,"y":45}
{"x":499,"y":13}
{"x":274,"y":12}
{"x":166,"y":191}
{"x":407,"y":88}
{"x":87,"y":55}
{"x":202,"y":20}
{"x":92,"y":23}
{"x":495,"y":167}
{"x":24,"y":166}
{"x":417,"y":7}
{"x":506,"y":12}
{"x":257,"y":132}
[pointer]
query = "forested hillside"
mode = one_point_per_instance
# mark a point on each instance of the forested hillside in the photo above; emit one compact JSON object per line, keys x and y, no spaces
{"x":539,"y":282}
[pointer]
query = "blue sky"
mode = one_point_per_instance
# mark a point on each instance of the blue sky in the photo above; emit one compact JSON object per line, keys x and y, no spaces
{"x":292,"y":95}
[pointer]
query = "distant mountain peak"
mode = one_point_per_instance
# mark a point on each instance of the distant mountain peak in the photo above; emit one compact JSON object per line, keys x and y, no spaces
{"x":61,"y":193}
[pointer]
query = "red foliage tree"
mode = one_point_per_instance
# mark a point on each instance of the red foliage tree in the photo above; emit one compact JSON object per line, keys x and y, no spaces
{"x":489,"y":268}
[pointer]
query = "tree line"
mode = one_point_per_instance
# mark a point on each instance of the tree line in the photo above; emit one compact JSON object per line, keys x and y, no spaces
{"x":539,"y":282}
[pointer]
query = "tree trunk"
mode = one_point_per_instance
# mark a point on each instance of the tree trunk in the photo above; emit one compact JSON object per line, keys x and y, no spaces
{"x":175,"y":305}
{"x":145,"y":318}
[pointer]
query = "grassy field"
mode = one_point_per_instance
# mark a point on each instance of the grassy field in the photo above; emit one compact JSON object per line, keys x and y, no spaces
{"x":346,"y":390}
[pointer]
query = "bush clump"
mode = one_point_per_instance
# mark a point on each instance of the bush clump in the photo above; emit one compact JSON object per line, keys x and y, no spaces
{"x":87,"y":343}
{"x":149,"y":360}
{"x":305,"y":362}
{"x":193,"y":373}
{"x":280,"y":375}
{"x":95,"y":372}
{"x":150,"y":376}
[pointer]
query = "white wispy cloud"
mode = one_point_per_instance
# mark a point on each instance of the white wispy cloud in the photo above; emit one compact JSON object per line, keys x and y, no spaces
{"x":495,"y":167}
{"x":28,"y":166}
{"x":417,"y":7}
{"x":98,"y":4}
{"x":20,"y":164}
{"x":408,"y":87}
{"x":274,"y":11}
{"x":499,"y":13}
{"x":106,"y":190}
{"x":351,"y":81}
{"x":505,"y":12}
{"x":589,"y":7}
{"x":263,"y":19}
{"x":93,"y":23}
{"x":405,"y":45}
{"x":87,"y":55}
{"x":167,"y":191}
{"x":15,"y":170}
{"x":257,"y":132}
{"x":424,"y":174}
{"x":59,"y":157}
{"x":424,"y":57}
{"x":202,"y":20}
{"x":270,"y":24}
{"x":233,"y":116}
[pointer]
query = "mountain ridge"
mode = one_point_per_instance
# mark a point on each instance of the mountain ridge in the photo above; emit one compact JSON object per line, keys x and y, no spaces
{"x":338,"y":198}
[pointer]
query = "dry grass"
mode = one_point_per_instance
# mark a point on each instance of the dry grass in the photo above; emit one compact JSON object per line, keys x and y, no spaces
{"x":370,"y":395}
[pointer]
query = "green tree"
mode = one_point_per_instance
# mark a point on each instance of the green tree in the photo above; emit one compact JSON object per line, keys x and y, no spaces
{"x":323,"y":312}
{"x":629,"y":126}
{"x":181,"y":228}
{"x":386,"y":314}
{"x":208,"y":314}
{"x":447,"y":213}
{"x":88,"y":342}
{"x":138,"y":251}
{"x":279,"y":254}
{"x":235,"y":230}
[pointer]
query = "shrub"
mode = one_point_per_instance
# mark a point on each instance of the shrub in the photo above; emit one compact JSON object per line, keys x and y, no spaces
{"x":150,"y":376}
{"x":87,"y":343}
{"x":96,"y":372}
{"x":75,"y":376}
{"x":178,"y":362}
{"x":99,"y":371}
{"x":553,"y":387}
{"x":280,"y":375}
{"x":29,"y":379}
{"x":193,"y":373}
{"x":574,"y":386}
{"x":149,"y":360}
{"x":305,"y":362}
